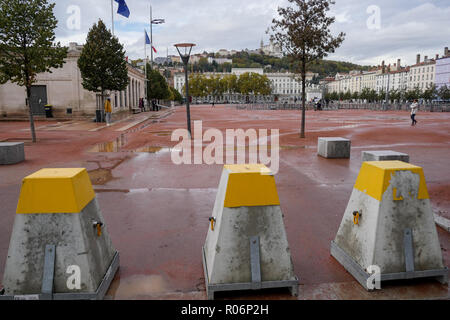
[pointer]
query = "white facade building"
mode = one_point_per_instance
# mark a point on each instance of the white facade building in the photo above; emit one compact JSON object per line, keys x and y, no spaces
{"x":220,"y":60}
{"x":442,"y":77}
{"x":63,"y":90}
{"x":393,"y":80}
{"x":271,"y":49}
{"x":284,"y":85}
{"x":240,"y":71}
{"x":422,"y":74}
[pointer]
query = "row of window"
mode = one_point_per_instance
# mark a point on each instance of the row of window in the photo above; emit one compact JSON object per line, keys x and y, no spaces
{"x":419,"y":70}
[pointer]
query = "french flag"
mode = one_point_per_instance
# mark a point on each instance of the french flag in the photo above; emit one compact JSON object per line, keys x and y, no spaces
{"x":147,"y":41}
{"x":123,"y":8}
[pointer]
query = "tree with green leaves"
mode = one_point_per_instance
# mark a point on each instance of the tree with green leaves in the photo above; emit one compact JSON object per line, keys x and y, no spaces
{"x":157,"y":87}
{"x":413,"y":94}
{"x":395,"y":95}
{"x":303,"y":34}
{"x":364,"y":95}
{"x":231,"y":83}
{"x":27,"y":44}
{"x":254,"y":83}
{"x":176,"y":95}
{"x":381,"y":95}
{"x":102,"y":62}
{"x":197,"y":85}
{"x":372,"y":95}
{"x":214,"y":86}
{"x":444,"y":92}
{"x":347,"y":95}
{"x":429,"y":93}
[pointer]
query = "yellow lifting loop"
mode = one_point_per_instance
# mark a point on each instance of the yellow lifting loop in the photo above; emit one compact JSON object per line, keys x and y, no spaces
{"x":213,"y":221}
{"x":98,"y":226}
{"x":356,"y":216}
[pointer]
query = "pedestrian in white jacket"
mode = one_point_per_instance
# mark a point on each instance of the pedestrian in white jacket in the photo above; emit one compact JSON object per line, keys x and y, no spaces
{"x":414,"y":108}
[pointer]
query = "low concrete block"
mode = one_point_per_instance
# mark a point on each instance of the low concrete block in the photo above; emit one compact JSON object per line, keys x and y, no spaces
{"x":58,"y":207}
{"x":11,"y":152}
{"x":334,"y":147}
{"x":384,"y":155}
{"x":389,"y":223}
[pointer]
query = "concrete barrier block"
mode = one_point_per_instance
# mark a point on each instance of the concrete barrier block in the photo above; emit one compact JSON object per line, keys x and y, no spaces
{"x":389,"y":225}
{"x":11,"y":152}
{"x":58,"y":207}
{"x":384,"y":155}
{"x":246,"y":247}
{"x":334,"y":148}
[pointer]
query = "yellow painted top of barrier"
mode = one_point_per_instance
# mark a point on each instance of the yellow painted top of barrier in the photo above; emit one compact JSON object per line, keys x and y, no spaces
{"x":55,"y":191}
{"x":250,"y":185}
{"x":375,"y":177}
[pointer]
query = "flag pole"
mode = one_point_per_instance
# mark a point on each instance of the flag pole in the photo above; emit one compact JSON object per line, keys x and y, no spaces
{"x":151,"y":36}
{"x":145,"y":60}
{"x":112,"y":17}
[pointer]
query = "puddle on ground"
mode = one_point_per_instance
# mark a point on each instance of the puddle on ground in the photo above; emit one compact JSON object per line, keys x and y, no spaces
{"x":112,"y":146}
{"x":120,"y":142}
{"x":292,"y":147}
{"x":153,"y":149}
{"x":162,"y":133}
{"x":138,"y":285}
{"x":100,"y":176}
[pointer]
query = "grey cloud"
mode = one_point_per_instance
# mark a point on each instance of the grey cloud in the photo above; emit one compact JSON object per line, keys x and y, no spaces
{"x":408,"y":27}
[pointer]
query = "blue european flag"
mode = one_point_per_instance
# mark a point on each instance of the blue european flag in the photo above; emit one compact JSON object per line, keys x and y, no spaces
{"x":147,"y":39}
{"x":123,"y":8}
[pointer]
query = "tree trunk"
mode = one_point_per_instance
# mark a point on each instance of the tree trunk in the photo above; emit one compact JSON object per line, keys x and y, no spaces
{"x":33,"y":132}
{"x":102,"y":107}
{"x":303,"y":71}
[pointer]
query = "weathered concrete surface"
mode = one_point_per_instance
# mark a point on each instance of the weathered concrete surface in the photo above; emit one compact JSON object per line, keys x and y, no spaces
{"x":157,"y":212}
{"x":76,"y":243}
{"x":384,"y":155}
{"x":227,"y":248}
{"x":11,"y":152}
{"x":378,"y":237}
{"x":334,"y":148}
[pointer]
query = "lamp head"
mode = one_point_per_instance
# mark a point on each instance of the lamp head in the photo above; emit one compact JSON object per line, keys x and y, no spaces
{"x":184,"y":49}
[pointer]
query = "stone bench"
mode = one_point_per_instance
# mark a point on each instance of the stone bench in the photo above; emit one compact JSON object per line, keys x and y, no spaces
{"x":384,"y":155}
{"x":334,"y":148}
{"x":11,"y":152}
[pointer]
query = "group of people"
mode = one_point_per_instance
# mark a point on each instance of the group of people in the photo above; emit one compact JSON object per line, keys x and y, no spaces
{"x":318,"y":106}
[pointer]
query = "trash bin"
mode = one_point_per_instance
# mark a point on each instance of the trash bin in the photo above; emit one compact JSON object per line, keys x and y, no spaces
{"x":98,"y":116}
{"x":48,"y":111}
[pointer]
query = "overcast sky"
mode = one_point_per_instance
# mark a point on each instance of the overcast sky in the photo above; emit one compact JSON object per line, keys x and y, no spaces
{"x":375,"y":30}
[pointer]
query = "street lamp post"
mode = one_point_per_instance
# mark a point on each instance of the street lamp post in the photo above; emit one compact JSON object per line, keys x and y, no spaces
{"x":185,"y":58}
{"x":152,"y":22}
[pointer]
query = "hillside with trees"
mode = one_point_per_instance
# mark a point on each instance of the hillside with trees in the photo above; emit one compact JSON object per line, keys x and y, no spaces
{"x":244,"y":59}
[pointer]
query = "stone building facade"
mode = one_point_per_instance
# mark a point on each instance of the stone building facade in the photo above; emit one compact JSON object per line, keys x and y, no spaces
{"x":63,"y":90}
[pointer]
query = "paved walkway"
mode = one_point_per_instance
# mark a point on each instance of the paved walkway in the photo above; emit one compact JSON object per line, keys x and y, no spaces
{"x":157,"y":212}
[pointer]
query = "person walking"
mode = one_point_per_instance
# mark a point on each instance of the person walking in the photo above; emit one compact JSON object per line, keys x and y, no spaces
{"x":145,"y":104}
{"x":141,"y":104}
{"x":108,"y":111}
{"x":414,"y":108}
